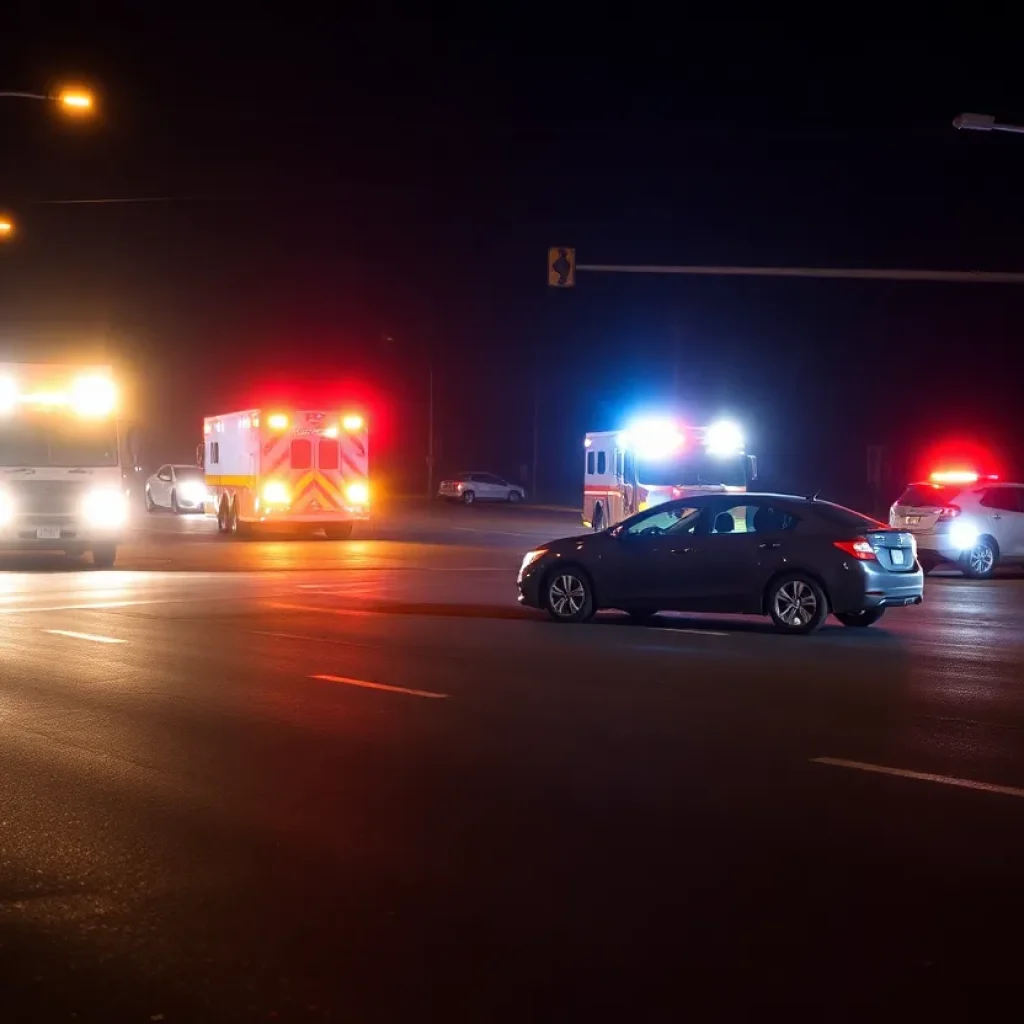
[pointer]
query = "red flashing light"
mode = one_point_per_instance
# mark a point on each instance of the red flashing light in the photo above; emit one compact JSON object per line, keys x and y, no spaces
{"x":954,"y":476}
{"x":858,"y":548}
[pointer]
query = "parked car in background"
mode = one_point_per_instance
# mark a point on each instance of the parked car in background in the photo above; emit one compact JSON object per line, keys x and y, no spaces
{"x":975,"y":522}
{"x":793,"y":559}
{"x":471,"y":487}
{"x":178,"y":488}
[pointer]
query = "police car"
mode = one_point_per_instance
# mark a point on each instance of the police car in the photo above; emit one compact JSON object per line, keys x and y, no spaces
{"x":959,"y":516}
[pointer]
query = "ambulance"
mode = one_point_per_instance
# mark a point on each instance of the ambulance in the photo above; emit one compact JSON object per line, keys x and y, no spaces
{"x":63,"y":455}
{"x":287,"y":468}
{"x":659,"y":459}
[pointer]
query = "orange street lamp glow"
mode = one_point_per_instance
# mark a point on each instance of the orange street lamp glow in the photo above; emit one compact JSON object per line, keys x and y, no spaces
{"x":75,"y":101}
{"x":6,"y":227}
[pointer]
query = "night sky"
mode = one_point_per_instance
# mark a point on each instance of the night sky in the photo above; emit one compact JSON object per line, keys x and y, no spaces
{"x":335,"y":182}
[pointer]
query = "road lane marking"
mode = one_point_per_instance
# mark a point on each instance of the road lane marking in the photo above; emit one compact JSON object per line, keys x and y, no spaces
{"x":85,"y":636}
{"x":380,"y":686}
{"x":311,"y":639}
{"x":101,"y":605}
{"x":903,"y":773}
{"x":324,"y":611}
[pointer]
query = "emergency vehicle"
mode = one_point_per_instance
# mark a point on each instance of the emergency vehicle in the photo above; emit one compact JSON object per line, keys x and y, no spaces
{"x":656,"y":460}
{"x":62,"y":459}
{"x":287,"y":468}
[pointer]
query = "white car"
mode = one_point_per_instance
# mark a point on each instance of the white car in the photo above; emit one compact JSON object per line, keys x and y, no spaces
{"x":179,"y":488}
{"x":470,"y":487}
{"x":973,"y":521}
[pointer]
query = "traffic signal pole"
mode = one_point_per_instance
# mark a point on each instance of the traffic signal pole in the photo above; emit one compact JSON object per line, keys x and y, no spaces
{"x":562,"y":268}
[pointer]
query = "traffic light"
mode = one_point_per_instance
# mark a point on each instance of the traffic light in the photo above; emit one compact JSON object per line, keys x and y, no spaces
{"x":561,"y":267}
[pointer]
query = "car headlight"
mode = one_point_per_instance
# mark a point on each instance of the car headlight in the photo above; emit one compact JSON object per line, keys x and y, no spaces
{"x":530,"y":557}
{"x":193,"y":491}
{"x":276,"y":493}
{"x":963,"y":535}
{"x":105,"y":507}
{"x":357,"y":494}
{"x":6,"y":508}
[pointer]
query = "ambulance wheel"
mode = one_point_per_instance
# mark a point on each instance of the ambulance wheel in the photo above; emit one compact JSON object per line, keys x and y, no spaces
{"x":223,"y":518}
{"x":104,"y":556}
{"x":338,"y":531}
{"x":238,"y":528}
{"x":468,"y":497}
{"x":598,"y":517}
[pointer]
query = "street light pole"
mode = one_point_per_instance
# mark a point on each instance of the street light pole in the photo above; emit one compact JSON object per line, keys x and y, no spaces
{"x":430,"y":428}
{"x":72,"y":101}
{"x":985,"y":123}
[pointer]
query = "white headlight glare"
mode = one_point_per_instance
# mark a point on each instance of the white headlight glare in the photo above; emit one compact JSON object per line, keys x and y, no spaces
{"x":194,"y":491}
{"x":963,"y":535}
{"x":105,"y":507}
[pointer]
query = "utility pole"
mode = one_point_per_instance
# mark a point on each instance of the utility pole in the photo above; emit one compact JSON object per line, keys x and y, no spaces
{"x":536,"y":441}
{"x":430,"y":428}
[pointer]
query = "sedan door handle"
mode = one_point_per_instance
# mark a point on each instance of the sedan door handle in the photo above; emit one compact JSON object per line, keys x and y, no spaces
{"x":769,"y":545}
{"x":681,"y":551}
{"x":995,"y":517}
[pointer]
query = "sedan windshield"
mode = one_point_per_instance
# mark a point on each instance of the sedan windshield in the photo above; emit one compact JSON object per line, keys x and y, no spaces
{"x":57,"y":443}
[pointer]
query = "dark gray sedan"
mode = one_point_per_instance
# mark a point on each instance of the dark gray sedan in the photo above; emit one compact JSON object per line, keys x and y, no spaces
{"x":794,"y":559}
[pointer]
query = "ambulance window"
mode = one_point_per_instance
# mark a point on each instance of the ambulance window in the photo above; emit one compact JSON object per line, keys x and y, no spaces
{"x":302,"y":453}
{"x":601,"y":462}
{"x":590,"y":463}
{"x":214,"y":452}
{"x":327,"y":457}
{"x":618,"y":463}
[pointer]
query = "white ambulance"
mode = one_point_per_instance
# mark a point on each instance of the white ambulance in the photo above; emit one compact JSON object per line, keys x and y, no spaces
{"x":63,"y":455}
{"x":656,"y":460}
{"x":287,"y":468}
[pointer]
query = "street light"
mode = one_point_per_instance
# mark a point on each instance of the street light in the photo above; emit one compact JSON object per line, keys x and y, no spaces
{"x":74,"y":101}
{"x":6,"y":227}
{"x":984,"y":123}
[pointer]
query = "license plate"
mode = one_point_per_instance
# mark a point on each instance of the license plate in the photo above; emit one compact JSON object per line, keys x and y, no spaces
{"x":913,"y":520}
{"x":48,"y":533}
{"x":897,"y":556}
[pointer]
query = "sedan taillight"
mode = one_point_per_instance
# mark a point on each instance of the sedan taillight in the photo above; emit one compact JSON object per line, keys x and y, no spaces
{"x":858,"y":548}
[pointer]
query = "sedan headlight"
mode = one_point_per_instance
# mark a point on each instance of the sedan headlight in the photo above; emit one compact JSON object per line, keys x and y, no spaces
{"x":193,"y":491}
{"x":105,"y":507}
{"x":530,"y":557}
{"x":6,"y":508}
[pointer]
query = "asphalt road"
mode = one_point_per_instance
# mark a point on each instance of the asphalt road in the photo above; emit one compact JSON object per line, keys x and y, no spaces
{"x":303,"y":780}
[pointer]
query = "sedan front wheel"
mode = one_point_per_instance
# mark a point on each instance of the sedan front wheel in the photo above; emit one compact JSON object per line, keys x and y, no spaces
{"x":569,"y":595}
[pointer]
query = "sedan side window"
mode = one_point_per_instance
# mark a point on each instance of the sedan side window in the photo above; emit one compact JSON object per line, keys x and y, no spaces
{"x":672,"y":520}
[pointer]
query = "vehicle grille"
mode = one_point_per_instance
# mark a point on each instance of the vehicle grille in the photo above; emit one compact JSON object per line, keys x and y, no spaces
{"x":46,"y":497}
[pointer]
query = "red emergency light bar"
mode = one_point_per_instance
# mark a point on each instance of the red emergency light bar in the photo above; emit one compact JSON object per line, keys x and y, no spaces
{"x":959,"y":476}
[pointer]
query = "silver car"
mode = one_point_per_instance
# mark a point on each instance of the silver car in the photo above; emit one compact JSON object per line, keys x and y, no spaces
{"x":178,"y":488}
{"x":471,"y":487}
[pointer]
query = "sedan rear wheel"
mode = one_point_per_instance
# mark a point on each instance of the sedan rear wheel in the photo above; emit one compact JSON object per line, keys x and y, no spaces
{"x":468,"y":497}
{"x":797,"y":604}
{"x":569,"y":596}
{"x":865,"y":617}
